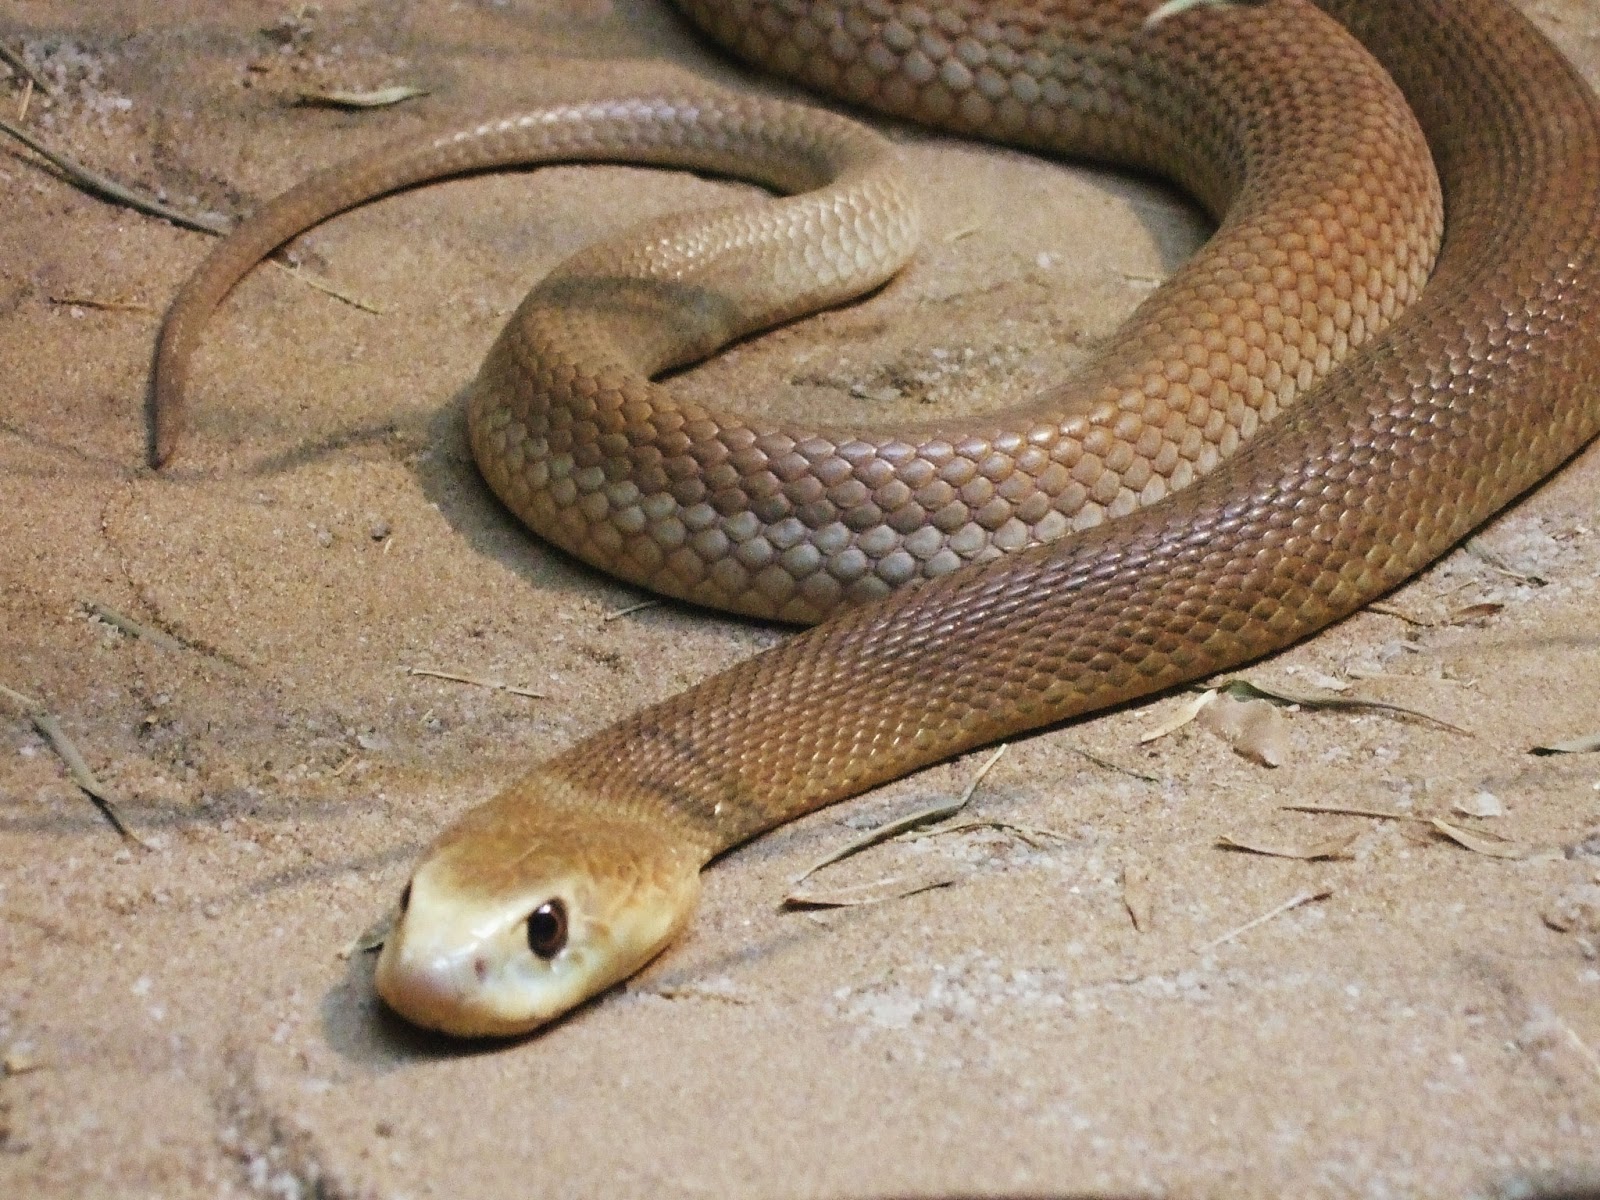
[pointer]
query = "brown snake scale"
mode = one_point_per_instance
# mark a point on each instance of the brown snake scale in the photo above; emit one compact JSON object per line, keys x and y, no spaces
{"x":1367,"y":421}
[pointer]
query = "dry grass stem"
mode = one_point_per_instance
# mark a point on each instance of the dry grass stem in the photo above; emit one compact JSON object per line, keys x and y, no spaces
{"x":924,"y":816}
{"x":18,"y":63}
{"x":1292,"y":903}
{"x":50,"y":729}
{"x":843,"y":899}
{"x":109,"y":189}
{"x":328,"y":289}
{"x":132,"y":628}
{"x":494,"y":685}
{"x":631,"y":608}
{"x":132,"y":306}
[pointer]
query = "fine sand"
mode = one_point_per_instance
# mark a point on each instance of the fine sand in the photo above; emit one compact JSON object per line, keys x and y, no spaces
{"x":1068,"y":1014}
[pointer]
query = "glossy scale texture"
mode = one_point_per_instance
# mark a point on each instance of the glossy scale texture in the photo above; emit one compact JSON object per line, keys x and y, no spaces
{"x":1328,"y":453}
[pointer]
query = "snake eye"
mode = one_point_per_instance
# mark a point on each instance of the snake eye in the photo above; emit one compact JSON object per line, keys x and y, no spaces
{"x":547,"y":929}
{"x":405,"y":898}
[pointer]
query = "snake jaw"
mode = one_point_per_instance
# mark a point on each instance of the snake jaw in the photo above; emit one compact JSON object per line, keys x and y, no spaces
{"x":461,"y":958}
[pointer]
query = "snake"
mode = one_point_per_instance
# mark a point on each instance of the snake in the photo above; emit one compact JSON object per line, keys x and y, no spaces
{"x":1393,"y":333}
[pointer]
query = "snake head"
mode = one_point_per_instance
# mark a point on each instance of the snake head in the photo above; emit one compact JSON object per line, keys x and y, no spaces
{"x":529,"y":905}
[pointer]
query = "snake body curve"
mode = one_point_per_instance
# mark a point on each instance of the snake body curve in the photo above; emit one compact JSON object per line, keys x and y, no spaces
{"x":575,"y":875}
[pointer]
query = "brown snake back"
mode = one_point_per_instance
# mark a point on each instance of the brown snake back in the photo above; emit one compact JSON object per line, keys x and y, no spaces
{"x":1483,"y":388}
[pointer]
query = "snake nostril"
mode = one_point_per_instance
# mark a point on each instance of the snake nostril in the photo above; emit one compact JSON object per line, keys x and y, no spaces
{"x":405,"y":898}
{"x":480,"y":969}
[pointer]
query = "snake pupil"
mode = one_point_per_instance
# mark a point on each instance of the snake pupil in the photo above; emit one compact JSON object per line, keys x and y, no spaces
{"x":547,"y":929}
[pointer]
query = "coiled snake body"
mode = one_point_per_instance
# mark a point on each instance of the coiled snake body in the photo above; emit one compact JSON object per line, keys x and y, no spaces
{"x":1359,"y":434}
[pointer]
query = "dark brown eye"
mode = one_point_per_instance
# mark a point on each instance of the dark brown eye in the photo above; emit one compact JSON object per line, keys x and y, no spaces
{"x":547,"y":929}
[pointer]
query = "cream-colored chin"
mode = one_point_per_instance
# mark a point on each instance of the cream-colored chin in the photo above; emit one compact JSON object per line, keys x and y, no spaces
{"x":425,"y":996}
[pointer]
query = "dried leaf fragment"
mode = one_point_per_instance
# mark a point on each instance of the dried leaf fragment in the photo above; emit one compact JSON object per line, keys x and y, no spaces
{"x":1589,"y":744}
{"x":109,"y":189}
{"x":1254,"y":729}
{"x":1325,"y":682}
{"x":1486,"y":844}
{"x":1332,"y":848}
{"x":378,"y":98}
{"x":1190,"y":710}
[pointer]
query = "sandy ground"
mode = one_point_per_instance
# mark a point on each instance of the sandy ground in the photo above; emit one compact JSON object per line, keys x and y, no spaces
{"x":183,"y":1021}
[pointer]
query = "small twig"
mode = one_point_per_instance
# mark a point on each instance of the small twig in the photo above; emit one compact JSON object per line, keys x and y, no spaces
{"x":23,"y":67}
{"x":50,"y":729}
{"x":494,"y":685}
{"x":1136,"y":896}
{"x":109,"y":189}
{"x":722,"y":990}
{"x":104,"y":305}
{"x":1098,"y":761}
{"x":1389,"y":610}
{"x":925,"y":816}
{"x":133,"y":628}
{"x":632,"y":608}
{"x":1291,"y":903}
